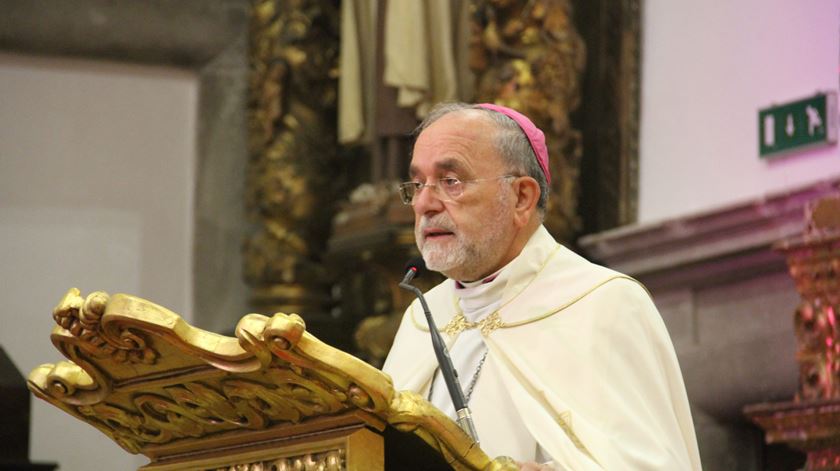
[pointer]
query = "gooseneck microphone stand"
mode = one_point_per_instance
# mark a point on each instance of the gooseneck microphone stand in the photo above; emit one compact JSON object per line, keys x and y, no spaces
{"x":450,"y":376}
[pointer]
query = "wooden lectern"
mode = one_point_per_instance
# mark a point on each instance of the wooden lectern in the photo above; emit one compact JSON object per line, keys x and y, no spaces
{"x":273,"y":398}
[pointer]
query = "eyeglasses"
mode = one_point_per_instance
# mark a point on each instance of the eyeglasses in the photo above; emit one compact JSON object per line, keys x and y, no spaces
{"x":448,"y":188}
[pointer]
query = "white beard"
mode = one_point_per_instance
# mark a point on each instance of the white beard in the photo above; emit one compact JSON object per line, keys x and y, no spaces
{"x":440,"y":258}
{"x":464,"y":258}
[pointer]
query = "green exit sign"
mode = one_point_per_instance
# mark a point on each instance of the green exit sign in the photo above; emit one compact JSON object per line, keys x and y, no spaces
{"x":792,"y":126}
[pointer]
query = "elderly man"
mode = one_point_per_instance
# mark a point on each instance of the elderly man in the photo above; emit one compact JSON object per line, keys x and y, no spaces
{"x":564,"y":364}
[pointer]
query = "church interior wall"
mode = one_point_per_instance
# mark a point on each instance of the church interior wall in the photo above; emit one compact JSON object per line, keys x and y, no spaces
{"x":97,"y":171}
{"x":122,"y":157}
{"x":707,"y":68}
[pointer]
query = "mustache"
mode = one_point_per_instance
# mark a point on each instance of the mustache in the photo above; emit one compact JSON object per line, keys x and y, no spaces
{"x":440,"y":221}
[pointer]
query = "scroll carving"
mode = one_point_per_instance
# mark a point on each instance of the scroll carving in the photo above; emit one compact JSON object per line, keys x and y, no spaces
{"x":202,"y":385}
{"x":197,"y":409}
{"x":82,"y":318}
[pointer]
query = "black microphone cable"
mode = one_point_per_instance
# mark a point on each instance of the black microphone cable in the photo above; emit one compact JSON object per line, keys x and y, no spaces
{"x":413,"y":269}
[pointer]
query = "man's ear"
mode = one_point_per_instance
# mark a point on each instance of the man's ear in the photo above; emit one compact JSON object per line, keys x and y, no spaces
{"x":527,"y":193}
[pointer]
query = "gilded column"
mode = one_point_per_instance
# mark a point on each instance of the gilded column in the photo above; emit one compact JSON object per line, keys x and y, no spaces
{"x":292,"y":178}
{"x":528,"y":55}
{"x":811,"y":422}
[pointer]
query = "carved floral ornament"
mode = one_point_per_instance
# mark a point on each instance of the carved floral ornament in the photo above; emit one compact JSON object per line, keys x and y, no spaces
{"x":811,"y":422}
{"x":144,"y":377}
{"x":333,"y":460}
{"x":814,"y":265}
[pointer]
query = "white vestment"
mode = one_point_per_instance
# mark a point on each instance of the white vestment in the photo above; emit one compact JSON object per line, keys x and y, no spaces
{"x":581,"y":366}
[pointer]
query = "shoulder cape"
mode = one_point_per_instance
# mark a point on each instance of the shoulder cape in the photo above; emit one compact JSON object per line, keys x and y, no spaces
{"x":584,"y":355}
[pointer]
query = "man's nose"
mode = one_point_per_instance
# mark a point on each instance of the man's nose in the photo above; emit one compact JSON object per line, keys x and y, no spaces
{"x":427,"y":201}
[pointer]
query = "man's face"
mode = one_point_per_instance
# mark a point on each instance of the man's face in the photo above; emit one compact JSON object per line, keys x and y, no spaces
{"x":469,"y":237}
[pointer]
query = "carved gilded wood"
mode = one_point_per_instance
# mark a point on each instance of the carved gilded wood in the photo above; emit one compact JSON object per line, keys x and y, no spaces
{"x":529,"y":56}
{"x":811,"y":422}
{"x":161,"y":387}
{"x":814,"y":264}
{"x":295,"y":172}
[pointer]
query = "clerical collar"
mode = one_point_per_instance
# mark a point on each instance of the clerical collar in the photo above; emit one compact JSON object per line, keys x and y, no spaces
{"x":477,"y":299}
{"x":519,"y":272}
{"x":510,"y":282}
{"x":472,"y":284}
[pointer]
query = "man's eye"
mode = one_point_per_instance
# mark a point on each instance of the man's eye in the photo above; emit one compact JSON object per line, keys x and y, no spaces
{"x":450,"y":182}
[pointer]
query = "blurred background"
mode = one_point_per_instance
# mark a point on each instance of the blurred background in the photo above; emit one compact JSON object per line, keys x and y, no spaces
{"x":221,"y":157}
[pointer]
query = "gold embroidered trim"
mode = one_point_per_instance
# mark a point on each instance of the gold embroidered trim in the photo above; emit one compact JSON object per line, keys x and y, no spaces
{"x":494,"y":321}
{"x":487,"y":325}
{"x":564,"y":419}
{"x":457,"y":324}
{"x":507,"y":325}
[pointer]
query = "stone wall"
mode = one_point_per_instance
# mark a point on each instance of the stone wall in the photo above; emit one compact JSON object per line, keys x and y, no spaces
{"x":205,"y":36}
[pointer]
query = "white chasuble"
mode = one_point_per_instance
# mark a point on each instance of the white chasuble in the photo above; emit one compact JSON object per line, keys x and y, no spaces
{"x":579,"y":364}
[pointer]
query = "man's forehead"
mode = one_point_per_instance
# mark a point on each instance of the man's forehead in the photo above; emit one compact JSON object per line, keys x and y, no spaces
{"x":458,"y":141}
{"x":450,"y":164}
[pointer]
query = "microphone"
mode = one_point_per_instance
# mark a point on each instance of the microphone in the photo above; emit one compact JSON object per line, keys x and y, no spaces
{"x":413,"y":269}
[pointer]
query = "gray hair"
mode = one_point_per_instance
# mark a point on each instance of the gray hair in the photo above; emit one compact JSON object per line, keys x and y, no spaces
{"x":512,"y":144}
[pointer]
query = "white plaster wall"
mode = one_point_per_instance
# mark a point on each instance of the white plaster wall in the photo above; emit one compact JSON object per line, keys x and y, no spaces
{"x":707,"y":67}
{"x":96,"y":183}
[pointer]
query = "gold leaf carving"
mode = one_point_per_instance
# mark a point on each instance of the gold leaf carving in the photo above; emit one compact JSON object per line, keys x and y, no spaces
{"x":204,"y":386}
{"x":409,"y":412}
{"x":82,"y":318}
{"x":64,"y":379}
{"x":528,"y":55}
{"x":295,"y":171}
{"x":814,"y":264}
{"x":333,"y":460}
{"x":810,"y":422}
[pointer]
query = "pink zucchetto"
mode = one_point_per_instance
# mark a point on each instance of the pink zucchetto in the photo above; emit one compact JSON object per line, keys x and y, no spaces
{"x":532,"y":132}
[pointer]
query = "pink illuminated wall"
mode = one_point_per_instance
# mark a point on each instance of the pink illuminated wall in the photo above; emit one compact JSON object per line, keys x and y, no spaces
{"x":707,"y":68}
